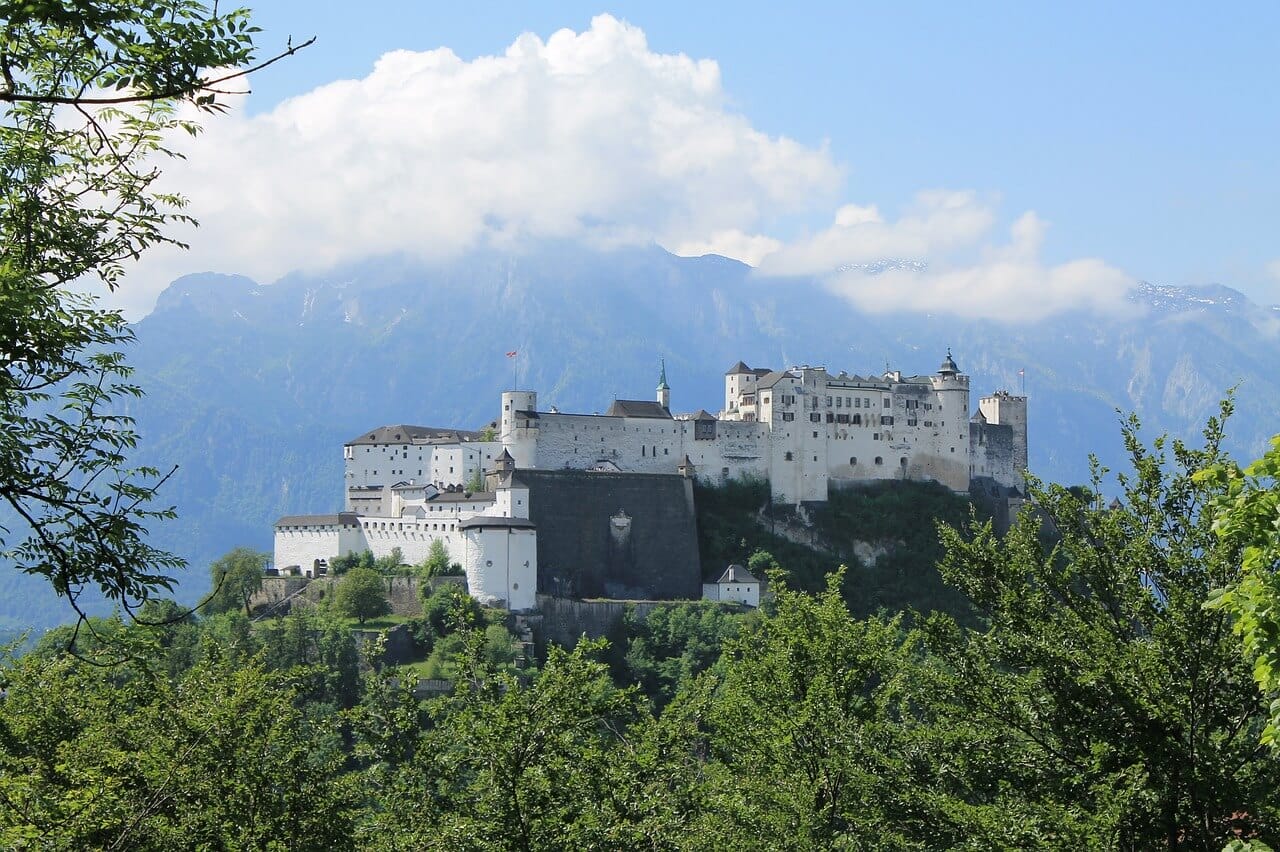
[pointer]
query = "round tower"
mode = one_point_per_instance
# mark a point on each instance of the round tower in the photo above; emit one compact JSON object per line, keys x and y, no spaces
{"x":951,"y":390}
{"x":518,"y":432}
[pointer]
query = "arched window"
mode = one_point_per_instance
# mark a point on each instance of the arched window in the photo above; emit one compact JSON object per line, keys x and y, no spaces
{"x":879,"y":460}
{"x":853,"y":460}
{"x":903,"y":461}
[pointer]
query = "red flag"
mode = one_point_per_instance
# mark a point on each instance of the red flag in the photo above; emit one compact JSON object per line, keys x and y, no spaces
{"x":512,"y":353}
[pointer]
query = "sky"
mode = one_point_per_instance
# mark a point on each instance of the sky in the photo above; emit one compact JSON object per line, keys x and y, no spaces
{"x":1034,"y":159}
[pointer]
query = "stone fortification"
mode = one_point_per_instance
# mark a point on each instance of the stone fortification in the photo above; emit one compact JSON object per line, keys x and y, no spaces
{"x":615,"y":535}
{"x":589,"y":505}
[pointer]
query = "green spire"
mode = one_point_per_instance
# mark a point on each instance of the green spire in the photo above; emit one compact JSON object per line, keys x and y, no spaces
{"x":662,"y":377}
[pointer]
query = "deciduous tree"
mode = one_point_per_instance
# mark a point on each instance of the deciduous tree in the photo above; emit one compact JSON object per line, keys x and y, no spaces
{"x":89,"y":92}
{"x":361,"y":595}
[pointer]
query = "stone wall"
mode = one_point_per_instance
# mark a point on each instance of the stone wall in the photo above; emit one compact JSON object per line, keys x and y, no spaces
{"x":614,"y":535}
{"x":402,"y":592}
{"x":565,"y":621}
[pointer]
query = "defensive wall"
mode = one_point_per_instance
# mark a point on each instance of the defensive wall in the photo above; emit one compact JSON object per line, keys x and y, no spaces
{"x":614,"y":535}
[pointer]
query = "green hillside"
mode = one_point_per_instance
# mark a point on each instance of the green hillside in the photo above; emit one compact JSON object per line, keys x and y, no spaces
{"x":886,"y":533}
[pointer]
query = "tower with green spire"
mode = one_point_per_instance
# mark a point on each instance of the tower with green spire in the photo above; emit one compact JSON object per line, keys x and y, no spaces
{"x":664,"y":390}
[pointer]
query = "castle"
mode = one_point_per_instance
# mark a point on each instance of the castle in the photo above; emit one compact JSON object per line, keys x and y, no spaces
{"x":802,"y":429}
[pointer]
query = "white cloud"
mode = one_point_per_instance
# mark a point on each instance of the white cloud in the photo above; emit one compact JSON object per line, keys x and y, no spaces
{"x":964,"y":274}
{"x":587,"y":135}
{"x":748,"y":248}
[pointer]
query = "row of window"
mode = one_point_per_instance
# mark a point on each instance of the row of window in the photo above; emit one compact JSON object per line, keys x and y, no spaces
{"x":853,"y":460}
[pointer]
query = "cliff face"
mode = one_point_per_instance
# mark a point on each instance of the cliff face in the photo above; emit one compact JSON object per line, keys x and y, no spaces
{"x":251,"y":388}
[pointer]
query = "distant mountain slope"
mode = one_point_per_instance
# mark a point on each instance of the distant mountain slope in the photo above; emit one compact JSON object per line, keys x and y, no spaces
{"x":253,"y":388}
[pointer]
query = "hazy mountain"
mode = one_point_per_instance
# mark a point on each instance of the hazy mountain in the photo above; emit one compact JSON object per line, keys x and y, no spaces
{"x":252,"y":389}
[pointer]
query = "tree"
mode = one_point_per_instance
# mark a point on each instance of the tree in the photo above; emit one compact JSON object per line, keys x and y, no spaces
{"x":801,"y":725}
{"x":1248,"y":517}
{"x":437,"y":562}
{"x":89,"y":92}
{"x":360,"y":595}
{"x":236,"y":577}
{"x":1126,"y":716}
{"x":222,"y":757}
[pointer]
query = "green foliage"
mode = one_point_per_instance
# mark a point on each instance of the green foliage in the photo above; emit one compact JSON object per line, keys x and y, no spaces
{"x":476,"y":483}
{"x":121,"y":758}
{"x":802,"y":729}
{"x":89,"y":93}
{"x":1126,"y":713}
{"x":236,"y":577}
{"x":898,"y":517}
{"x":516,"y":767}
{"x":1247,"y":516}
{"x":664,"y":650}
{"x":437,"y":563}
{"x":361,"y":595}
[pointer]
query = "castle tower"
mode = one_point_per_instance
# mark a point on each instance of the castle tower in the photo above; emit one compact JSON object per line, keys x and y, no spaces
{"x":951,"y":389}
{"x":664,"y":390}
{"x":518,"y":432}
{"x":1006,"y":409}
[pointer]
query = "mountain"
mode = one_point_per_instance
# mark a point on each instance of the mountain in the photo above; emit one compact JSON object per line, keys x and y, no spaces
{"x":252,"y":389}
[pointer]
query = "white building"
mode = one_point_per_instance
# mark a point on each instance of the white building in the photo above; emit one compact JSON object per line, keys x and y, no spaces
{"x":803,"y":429}
{"x":736,"y":585}
{"x":489,"y":533}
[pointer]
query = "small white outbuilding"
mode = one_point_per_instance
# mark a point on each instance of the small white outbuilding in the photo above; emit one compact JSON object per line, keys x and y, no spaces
{"x":736,"y":585}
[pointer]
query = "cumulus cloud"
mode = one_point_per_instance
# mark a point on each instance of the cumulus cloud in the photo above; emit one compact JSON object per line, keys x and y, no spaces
{"x":962,"y":273}
{"x":589,"y":136}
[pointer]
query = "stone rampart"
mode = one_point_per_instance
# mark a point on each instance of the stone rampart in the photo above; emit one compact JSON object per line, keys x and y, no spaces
{"x":565,"y":621}
{"x":614,"y":535}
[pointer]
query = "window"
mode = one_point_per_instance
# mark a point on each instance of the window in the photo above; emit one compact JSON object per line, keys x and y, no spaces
{"x":886,"y":401}
{"x":828,"y":402}
{"x":857,"y":420}
{"x":788,"y":416}
{"x":815,"y":458}
{"x":839,"y":402}
{"x":876,"y":436}
{"x":857,"y":402}
{"x":853,"y":460}
{"x":815,"y":434}
{"x":886,"y":419}
{"x":764,"y":399}
{"x":903,"y":461}
{"x":815,"y":417}
{"x":879,"y":460}
{"x":788,"y":456}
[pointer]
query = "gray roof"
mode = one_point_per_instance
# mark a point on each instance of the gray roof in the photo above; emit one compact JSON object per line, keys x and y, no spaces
{"x":462,"y":497}
{"x":485,"y":522}
{"x":738,"y":369}
{"x":736,"y":574}
{"x":348,"y":518}
{"x":772,"y":378}
{"x":637,"y":408}
{"x":405,"y":434}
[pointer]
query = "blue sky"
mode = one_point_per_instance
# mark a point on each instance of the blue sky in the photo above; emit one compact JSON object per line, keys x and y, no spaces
{"x":1141,"y":134}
